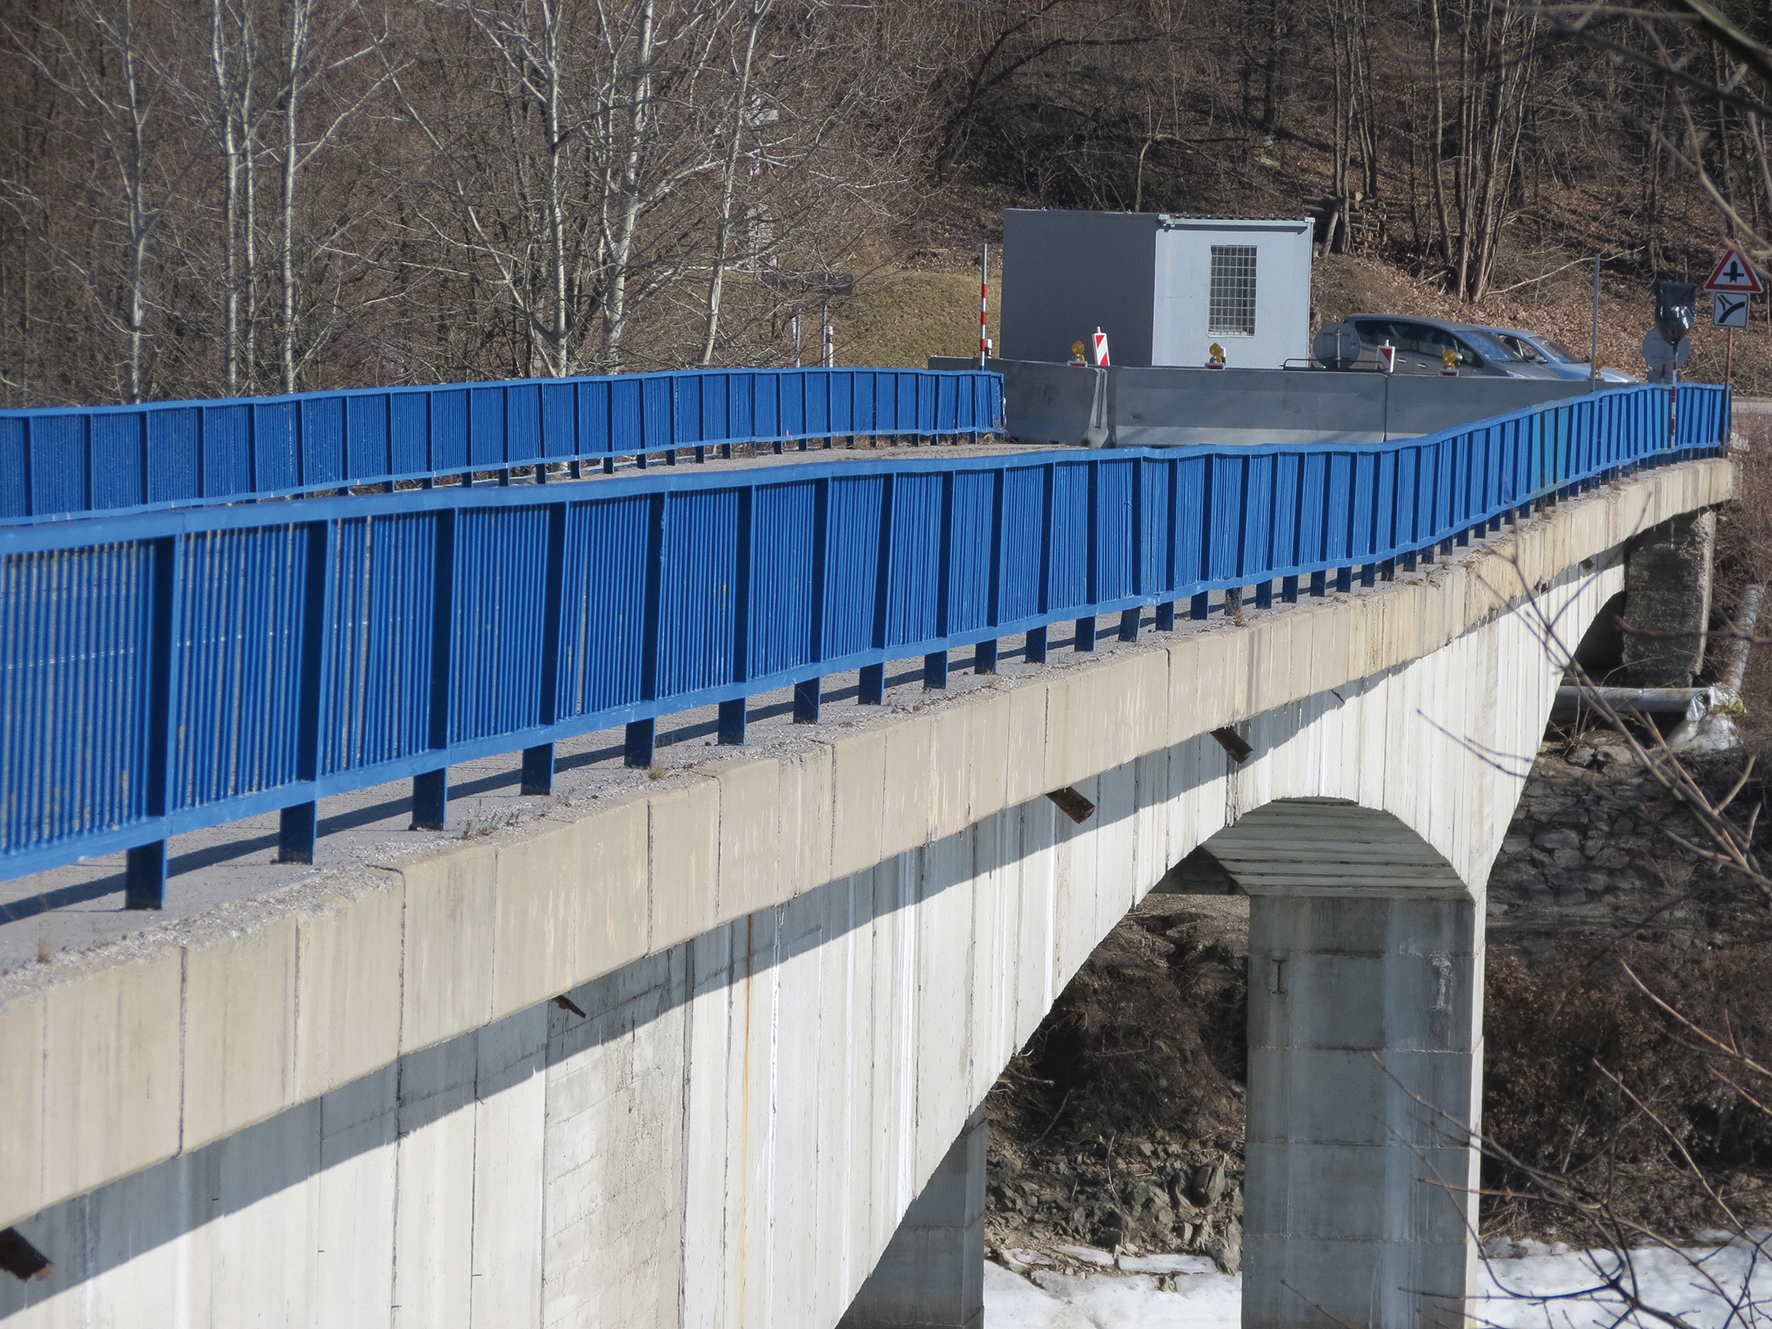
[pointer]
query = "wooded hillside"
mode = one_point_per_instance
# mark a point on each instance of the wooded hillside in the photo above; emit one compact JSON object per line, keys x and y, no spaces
{"x":237,"y":196}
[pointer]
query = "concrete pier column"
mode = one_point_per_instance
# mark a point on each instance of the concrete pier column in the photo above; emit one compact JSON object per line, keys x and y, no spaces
{"x":1667,"y":589}
{"x":932,"y":1274}
{"x":1359,"y":1201}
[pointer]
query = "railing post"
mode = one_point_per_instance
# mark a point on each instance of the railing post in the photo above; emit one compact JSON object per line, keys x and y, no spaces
{"x":807,"y":692}
{"x":872,"y":689}
{"x":1289,"y":590}
{"x":640,"y":744}
{"x":430,"y":791}
{"x":538,"y":761}
{"x":1084,"y":640}
{"x":1166,"y":616}
{"x":1034,"y":651}
{"x":298,"y":825}
{"x":984,"y":658}
{"x":145,"y":866}
{"x":935,"y":664}
{"x":873,"y":676}
{"x":733,"y":713}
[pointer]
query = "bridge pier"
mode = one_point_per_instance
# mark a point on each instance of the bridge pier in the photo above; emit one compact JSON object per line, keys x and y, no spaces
{"x":932,"y":1274}
{"x":1667,"y":591}
{"x":1364,"y":1066}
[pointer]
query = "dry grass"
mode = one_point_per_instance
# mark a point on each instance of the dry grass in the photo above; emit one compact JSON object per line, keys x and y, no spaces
{"x":899,"y":318}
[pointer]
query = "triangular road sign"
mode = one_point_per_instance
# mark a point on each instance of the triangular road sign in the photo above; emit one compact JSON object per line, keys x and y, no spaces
{"x":1734,"y":275}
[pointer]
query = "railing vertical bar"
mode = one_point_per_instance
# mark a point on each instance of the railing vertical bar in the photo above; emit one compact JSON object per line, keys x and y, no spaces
{"x":807,"y":693}
{"x":935,"y":663}
{"x":733,"y":713}
{"x":640,"y":743}
{"x":984,"y":659}
{"x":430,"y":790}
{"x":298,"y":825}
{"x":538,"y":760}
{"x":872,"y":691}
{"x":146,"y":866}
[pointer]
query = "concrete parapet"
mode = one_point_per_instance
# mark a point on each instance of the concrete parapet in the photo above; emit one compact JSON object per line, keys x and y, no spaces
{"x":451,"y":926}
{"x":349,"y":969}
{"x":113,"y":1073}
{"x":21,"y":1102}
{"x":240,"y":1007}
{"x":421,"y":951}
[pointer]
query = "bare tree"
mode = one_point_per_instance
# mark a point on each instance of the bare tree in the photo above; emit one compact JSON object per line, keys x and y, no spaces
{"x":100,"y":59}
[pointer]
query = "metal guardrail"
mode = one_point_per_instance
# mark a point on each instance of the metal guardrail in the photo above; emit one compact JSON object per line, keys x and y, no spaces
{"x":59,"y":462}
{"x":169,"y":671}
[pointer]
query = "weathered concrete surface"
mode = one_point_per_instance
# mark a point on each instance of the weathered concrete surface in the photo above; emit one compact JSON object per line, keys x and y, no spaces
{"x":931,"y":1275}
{"x":775,"y":1054}
{"x":1365,"y":1065}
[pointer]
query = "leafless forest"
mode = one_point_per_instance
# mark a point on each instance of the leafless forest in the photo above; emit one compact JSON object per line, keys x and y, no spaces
{"x":203,"y":197}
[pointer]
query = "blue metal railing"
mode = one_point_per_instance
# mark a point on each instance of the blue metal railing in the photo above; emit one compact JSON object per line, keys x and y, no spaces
{"x":58,"y":462}
{"x":168,"y":671}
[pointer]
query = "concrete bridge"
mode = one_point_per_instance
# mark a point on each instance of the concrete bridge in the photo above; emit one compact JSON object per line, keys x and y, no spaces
{"x":709,"y":1049}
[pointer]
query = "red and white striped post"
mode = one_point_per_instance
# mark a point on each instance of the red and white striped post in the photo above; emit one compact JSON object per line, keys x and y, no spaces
{"x":984,"y":306}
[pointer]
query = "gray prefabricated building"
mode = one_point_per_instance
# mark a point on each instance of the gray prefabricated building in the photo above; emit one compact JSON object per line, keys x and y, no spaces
{"x":1163,"y":287}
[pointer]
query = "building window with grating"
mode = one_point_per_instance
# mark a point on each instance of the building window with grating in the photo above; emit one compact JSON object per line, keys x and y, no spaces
{"x":1232,"y":311}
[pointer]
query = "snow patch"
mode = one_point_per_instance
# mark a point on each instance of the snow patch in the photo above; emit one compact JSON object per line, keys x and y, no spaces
{"x":1535,"y":1286}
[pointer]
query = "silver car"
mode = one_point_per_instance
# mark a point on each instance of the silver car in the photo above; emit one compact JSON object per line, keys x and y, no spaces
{"x":1553,"y":355}
{"x":1421,"y":344}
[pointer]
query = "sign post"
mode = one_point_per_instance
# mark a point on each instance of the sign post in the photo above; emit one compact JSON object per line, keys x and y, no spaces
{"x":1732,"y":284}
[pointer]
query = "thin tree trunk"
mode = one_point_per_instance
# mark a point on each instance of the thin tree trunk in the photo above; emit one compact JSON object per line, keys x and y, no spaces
{"x":224,"y":90}
{"x":615,"y":321}
{"x":139,"y":218}
{"x":723,"y":224}
{"x":300,"y":14}
{"x":1441,"y":210}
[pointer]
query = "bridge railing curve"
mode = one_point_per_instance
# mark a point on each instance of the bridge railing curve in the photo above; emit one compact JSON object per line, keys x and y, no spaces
{"x":168,"y":671}
{"x":62,"y":461}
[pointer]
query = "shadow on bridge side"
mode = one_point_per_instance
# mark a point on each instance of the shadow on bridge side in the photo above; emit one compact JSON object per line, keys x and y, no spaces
{"x":573,"y":1107}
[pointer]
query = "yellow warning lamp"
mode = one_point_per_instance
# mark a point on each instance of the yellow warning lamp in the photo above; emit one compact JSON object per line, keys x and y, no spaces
{"x":1449,"y":357}
{"x":1077,"y":350}
{"x":1215,"y":356}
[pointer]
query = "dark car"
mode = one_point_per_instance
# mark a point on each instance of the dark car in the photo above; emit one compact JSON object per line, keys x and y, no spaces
{"x":1421,"y":344}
